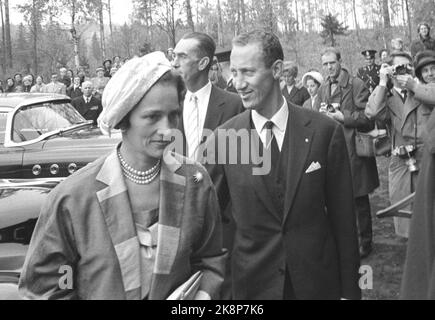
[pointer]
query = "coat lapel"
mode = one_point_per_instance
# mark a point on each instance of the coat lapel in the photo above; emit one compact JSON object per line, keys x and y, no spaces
{"x":115,"y":206}
{"x":172,"y":187}
{"x":300,"y":145}
{"x":214,"y":115}
{"x":409,"y":106}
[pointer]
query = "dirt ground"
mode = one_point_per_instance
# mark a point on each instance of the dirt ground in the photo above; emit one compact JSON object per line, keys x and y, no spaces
{"x":389,"y":250}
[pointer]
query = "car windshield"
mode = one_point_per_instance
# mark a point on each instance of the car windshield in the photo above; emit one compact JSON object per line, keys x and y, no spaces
{"x":31,"y":122}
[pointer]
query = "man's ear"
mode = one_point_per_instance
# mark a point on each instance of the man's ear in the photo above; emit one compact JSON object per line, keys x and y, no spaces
{"x":277,"y":68}
{"x":203,"y":63}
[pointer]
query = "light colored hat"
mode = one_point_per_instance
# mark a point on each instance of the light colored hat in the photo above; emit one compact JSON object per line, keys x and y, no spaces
{"x":315,"y":75}
{"x":128,"y":86}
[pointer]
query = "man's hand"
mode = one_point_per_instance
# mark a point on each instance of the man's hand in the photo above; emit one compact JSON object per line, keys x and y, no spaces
{"x":384,"y":73}
{"x":406,"y":81}
{"x":337,"y":116}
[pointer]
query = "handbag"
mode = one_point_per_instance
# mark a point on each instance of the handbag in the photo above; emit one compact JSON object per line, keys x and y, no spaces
{"x":373,"y":143}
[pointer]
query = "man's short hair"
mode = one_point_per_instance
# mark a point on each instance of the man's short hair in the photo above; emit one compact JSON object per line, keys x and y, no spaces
{"x":206,"y":46}
{"x":398,"y":53}
{"x":63,"y":69}
{"x":85,"y":83}
{"x":269,"y":43}
{"x":333,"y":51}
{"x":291,"y":67}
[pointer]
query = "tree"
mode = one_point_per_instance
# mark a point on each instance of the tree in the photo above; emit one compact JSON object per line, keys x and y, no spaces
{"x":22,"y":50}
{"x":34,"y":12}
{"x":332,"y":27}
{"x":96,"y":49}
{"x":3,"y":51}
{"x":8,"y":34}
{"x":189,"y":15}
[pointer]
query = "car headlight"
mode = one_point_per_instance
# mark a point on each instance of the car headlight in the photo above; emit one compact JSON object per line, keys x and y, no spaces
{"x":54,"y":169}
{"x":36,"y":170}
{"x":72,"y":167}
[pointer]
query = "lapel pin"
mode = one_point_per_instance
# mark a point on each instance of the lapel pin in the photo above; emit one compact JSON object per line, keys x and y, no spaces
{"x":306,"y":140}
{"x":197,"y":177}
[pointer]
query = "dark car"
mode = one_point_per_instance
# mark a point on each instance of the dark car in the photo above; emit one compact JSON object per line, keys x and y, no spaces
{"x":20,"y":204}
{"x":44,"y":136}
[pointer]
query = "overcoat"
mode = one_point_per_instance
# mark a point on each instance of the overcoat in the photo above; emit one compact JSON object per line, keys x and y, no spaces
{"x":352,"y":95}
{"x":419,"y":274}
{"x":87,"y":226}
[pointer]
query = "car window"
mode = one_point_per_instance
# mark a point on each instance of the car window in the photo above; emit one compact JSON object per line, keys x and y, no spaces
{"x":3,"y":117}
{"x":30,"y":122}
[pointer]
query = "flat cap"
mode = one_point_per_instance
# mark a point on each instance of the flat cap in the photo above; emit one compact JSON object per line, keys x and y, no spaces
{"x":369,"y":54}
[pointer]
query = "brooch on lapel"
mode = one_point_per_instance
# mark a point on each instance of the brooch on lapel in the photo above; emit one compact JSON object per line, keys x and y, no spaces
{"x":197,"y":177}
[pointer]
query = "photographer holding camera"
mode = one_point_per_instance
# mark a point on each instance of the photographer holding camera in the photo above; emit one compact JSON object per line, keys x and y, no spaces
{"x":343,"y":98}
{"x":405,"y":105}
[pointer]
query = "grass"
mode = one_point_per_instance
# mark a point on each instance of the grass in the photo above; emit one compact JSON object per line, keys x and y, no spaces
{"x":389,"y":250}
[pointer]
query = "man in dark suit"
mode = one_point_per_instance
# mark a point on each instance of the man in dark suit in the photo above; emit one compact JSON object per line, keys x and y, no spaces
{"x":295,"y":232}
{"x":75,"y":91}
{"x":205,"y":105}
{"x":205,"y":108}
{"x":291,"y":92}
{"x":87,"y":105}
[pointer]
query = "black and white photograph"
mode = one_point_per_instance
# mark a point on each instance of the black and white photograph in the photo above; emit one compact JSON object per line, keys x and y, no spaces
{"x":217,"y":150}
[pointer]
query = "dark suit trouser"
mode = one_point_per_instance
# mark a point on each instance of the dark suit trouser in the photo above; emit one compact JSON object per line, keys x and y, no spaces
{"x":364,"y":220}
{"x":289,"y":293}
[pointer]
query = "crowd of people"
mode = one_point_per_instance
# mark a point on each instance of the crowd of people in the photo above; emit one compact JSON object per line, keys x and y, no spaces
{"x":297,"y":231}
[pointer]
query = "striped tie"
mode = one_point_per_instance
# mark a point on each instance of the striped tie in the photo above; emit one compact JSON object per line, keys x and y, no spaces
{"x":192,"y":128}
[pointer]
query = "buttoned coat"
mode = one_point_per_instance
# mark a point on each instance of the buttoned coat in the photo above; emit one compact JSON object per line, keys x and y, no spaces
{"x":90,"y":110}
{"x":352,"y":95}
{"x":87,"y":225}
{"x":315,"y":237}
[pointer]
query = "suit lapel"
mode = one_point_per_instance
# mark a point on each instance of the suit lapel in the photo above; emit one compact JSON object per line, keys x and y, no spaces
{"x":116,"y":209}
{"x":300,"y":145}
{"x":214,"y":115}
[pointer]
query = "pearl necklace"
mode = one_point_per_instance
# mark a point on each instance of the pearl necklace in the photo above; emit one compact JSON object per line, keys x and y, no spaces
{"x":136,"y":176}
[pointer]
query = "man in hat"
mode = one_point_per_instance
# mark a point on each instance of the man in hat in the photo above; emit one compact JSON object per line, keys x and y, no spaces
{"x":292,"y":93}
{"x":405,"y":105}
{"x":87,"y":105}
{"x":424,"y":41}
{"x":370,"y":73}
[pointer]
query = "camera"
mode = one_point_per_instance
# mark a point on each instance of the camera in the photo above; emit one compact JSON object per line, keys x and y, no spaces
{"x":330,"y":108}
{"x":407,"y":152}
{"x":401,"y":69}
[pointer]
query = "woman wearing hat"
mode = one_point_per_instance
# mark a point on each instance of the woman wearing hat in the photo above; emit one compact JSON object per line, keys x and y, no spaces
{"x":139,"y":222}
{"x":99,"y":82}
{"x":312,"y":81}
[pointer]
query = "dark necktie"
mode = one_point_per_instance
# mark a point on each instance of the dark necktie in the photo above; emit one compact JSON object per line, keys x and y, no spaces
{"x":404,"y":95}
{"x":273,"y":144}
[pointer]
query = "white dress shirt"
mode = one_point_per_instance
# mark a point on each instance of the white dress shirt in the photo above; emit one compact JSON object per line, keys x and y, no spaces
{"x":203,"y":96}
{"x":279,"y":119}
{"x":290,"y":88}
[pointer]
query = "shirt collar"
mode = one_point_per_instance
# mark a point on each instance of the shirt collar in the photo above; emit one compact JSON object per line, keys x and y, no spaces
{"x":201,"y":94}
{"x":279,"y":119}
